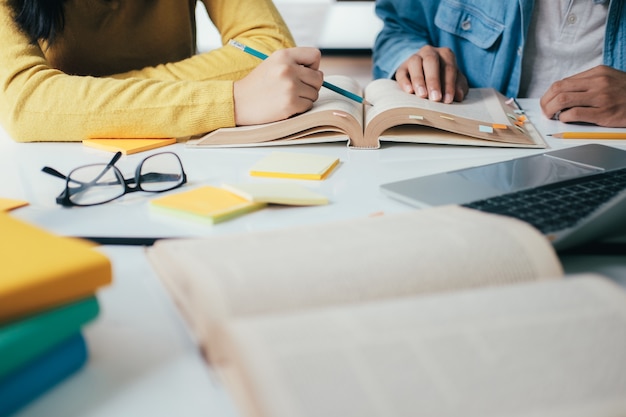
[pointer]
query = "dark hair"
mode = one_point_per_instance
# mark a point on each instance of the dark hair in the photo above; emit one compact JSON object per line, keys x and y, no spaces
{"x":39,"y":19}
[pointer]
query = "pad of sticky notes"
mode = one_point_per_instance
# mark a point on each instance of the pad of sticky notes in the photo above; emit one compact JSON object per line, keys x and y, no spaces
{"x":206,"y":203}
{"x":295,"y":165}
{"x":128,"y":146}
{"x":278,"y":193}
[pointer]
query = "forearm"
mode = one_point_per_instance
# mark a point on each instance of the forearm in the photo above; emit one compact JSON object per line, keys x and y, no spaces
{"x":57,"y":107}
{"x":404,"y":32}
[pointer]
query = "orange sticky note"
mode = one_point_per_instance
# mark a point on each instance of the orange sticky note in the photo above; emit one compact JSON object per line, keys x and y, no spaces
{"x":127,"y":146}
{"x":8,"y":204}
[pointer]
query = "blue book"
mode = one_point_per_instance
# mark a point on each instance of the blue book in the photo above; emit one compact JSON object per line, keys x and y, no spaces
{"x":30,"y":381}
{"x":21,"y":341}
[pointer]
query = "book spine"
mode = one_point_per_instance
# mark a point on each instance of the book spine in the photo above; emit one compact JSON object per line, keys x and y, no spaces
{"x":29,"y":382}
{"x":23,"y":340}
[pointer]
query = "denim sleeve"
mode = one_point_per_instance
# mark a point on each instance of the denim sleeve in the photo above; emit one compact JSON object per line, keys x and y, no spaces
{"x":486,"y":37}
{"x":406,"y":28}
{"x":615,"y":39}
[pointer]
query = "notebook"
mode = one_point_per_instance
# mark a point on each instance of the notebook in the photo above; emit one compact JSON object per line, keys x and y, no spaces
{"x":574,"y":195}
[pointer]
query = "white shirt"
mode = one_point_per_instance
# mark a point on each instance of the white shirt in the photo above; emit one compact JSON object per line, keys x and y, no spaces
{"x":565,"y":38}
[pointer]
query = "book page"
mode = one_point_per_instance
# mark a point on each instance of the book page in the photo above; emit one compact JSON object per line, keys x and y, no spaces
{"x":482,"y":118}
{"x":331,"y":112}
{"x":554,"y":348}
{"x":423,"y":251}
{"x":480,"y":104}
{"x":430,"y":135}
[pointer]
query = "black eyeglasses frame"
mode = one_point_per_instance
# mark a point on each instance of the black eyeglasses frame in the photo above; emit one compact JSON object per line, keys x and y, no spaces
{"x":64,"y":198}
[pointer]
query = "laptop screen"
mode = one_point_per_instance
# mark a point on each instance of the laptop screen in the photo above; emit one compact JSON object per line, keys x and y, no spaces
{"x":524,"y":173}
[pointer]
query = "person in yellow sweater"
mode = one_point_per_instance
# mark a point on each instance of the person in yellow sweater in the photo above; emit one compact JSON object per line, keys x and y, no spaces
{"x":74,"y":69}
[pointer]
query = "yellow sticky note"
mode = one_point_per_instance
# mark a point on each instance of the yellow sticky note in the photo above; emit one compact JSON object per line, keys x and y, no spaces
{"x":278,"y":193}
{"x":295,"y":165}
{"x":127,"y":146}
{"x":8,"y":204}
{"x":207,"y":203}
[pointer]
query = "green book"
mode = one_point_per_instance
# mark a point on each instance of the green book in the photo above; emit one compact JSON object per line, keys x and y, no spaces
{"x":23,"y":340}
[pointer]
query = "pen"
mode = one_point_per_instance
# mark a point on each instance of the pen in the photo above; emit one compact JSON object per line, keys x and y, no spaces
{"x":326,"y":84}
{"x":589,"y":135}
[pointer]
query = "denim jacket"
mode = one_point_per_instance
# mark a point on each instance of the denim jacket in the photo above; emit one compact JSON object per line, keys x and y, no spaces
{"x":487,"y":37}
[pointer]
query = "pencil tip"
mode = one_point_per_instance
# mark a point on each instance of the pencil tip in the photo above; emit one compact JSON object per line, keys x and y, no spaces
{"x":367,"y":103}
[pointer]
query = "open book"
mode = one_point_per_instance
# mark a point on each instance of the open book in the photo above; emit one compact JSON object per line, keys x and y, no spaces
{"x":448,"y":311}
{"x":484,"y":118}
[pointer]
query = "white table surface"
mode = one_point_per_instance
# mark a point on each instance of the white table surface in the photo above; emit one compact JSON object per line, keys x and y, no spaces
{"x":143,"y":361}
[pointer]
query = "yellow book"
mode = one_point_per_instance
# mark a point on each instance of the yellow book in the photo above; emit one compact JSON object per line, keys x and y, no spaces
{"x":127,"y":146}
{"x":278,"y":193}
{"x":295,"y":166}
{"x":207,"y":203}
{"x":40,"y":270}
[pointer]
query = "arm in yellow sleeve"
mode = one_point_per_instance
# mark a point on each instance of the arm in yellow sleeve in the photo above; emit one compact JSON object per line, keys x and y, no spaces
{"x":255,"y":23}
{"x":189,"y":97}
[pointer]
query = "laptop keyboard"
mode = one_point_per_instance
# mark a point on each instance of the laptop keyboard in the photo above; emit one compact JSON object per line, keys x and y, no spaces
{"x":555,"y":207}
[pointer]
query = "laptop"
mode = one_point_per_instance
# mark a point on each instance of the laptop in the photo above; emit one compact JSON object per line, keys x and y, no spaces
{"x":574,"y":196}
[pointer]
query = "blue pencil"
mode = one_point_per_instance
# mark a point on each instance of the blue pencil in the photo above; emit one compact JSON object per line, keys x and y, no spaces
{"x":328,"y":85}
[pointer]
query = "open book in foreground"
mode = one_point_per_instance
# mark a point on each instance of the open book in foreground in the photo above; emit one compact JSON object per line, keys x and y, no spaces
{"x":483,"y":119}
{"x":440,"y":312}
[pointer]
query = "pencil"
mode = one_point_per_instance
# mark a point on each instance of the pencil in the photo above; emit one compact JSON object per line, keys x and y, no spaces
{"x":326,"y":84}
{"x":589,"y":135}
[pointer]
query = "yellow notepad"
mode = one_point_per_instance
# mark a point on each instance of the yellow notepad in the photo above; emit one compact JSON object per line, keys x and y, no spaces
{"x":295,"y":165}
{"x":207,"y":203}
{"x":128,"y":146}
{"x":8,"y":204}
{"x":278,"y":193}
{"x":40,"y":270}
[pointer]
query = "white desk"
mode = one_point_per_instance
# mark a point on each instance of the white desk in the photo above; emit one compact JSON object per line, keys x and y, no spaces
{"x":143,"y":361}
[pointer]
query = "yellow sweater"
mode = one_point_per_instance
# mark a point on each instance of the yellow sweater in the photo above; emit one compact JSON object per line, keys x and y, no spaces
{"x":127,"y":68}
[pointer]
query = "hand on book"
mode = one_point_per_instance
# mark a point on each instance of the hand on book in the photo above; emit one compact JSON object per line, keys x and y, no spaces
{"x":284,"y":84}
{"x":433,"y":73}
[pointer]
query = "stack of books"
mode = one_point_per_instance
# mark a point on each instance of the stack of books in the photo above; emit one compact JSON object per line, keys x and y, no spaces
{"x":48,"y":287}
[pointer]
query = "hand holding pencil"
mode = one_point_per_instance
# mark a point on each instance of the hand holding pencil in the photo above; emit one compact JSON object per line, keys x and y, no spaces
{"x":314,"y":64}
{"x":284,"y":84}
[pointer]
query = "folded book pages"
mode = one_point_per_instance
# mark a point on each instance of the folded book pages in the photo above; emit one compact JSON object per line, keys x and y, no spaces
{"x":483,"y":118}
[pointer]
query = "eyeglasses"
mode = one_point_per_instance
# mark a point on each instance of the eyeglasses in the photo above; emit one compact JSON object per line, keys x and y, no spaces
{"x":94,"y":184}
